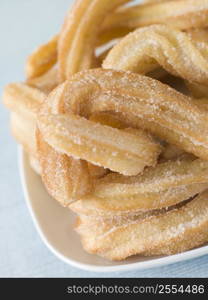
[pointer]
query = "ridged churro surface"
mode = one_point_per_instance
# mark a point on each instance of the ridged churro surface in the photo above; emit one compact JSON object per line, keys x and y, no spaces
{"x":113,"y":115}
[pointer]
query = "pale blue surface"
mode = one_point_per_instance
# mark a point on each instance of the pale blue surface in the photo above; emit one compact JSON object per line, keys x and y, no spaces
{"x":24,"y":25}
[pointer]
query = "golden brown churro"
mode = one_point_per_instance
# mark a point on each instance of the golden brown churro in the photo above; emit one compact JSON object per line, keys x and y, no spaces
{"x":172,"y":232}
{"x":143,"y":101}
{"x":119,"y":148}
{"x":126,"y":152}
{"x":165,"y":185}
{"x":46,"y":82}
{"x":142,"y":50}
{"x":46,"y":55}
{"x":42,"y":59}
{"x":79,"y":34}
{"x":183,"y":14}
{"x":24,"y":103}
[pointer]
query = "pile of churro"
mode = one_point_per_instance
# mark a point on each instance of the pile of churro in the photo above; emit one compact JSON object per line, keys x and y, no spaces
{"x":113,"y":115}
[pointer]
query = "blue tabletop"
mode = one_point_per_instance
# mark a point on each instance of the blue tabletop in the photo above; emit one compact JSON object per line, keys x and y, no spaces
{"x":24,"y":25}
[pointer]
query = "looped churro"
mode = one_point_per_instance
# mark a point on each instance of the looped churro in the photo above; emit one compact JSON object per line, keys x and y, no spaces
{"x":126,"y":152}
{"x":80,"y":33}
{"x":143,"y":101}
{"x":122,"y":151}
{"x":163,"y":186}
{"x":141,"y":51}
{"x":182,"y":14}
{"x":174,"y":231}
{"x":125,"y":93}
{"x":45,"y":56}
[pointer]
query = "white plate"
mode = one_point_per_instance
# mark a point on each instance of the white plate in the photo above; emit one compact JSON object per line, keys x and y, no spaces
{"x":55,"y":226}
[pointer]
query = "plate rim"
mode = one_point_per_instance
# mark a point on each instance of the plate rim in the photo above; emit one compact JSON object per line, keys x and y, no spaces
{"x":151,"y":263}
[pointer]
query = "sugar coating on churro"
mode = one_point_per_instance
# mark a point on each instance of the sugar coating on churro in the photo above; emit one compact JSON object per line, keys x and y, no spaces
{"x":124,"y":151}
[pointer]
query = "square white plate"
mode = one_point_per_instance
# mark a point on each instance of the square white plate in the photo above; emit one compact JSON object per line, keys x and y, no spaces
{"x":55,"y":226}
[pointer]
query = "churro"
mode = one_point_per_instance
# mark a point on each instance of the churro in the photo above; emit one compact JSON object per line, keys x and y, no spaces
{"x":42,"y":59}
{"x":79,"y":34}
{"x":45,"y":82}
{"x":121,"y":150}
{"x":24,"y":103}
{"x":126,"y":152}
{"x":165,"y":185}
{"x":172,"y":232}
{"x":182,"y":14}
{"x":70,"y":178}
{"x":143,"y":102}
{"x":142,"y":50}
